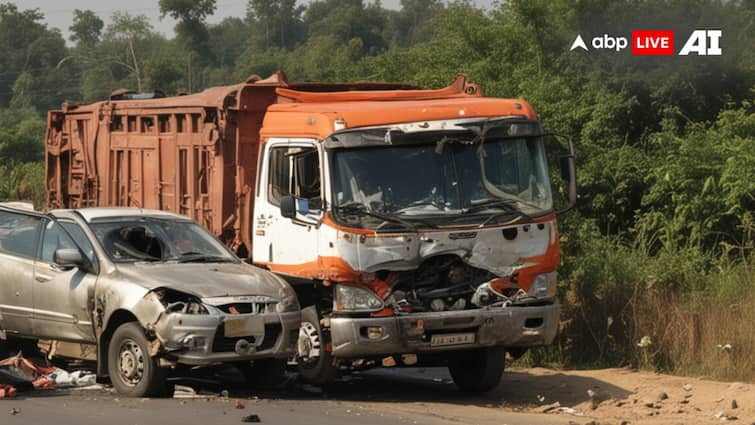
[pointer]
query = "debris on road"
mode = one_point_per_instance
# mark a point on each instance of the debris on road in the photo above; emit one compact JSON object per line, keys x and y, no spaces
{"x":239,"y":404}
{"x":550,"y":407}
{"x":724,"y":416}
{"x":571,"y":411}
{"x":7,"y":391}
{"x":19,"y":373}
{"x":251,"y":419}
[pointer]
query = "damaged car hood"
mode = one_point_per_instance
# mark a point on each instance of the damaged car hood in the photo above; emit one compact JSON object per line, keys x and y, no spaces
{"x":204,"y":280}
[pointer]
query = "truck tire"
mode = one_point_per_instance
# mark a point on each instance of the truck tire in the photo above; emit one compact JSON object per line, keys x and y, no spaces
{"x":477,"y":371}
{"x":314,"y":361}
{"x":264,"y":372}
{"x":133,"y":372}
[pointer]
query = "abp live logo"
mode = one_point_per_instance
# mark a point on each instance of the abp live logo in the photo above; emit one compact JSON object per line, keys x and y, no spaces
{"x":658,"y":43}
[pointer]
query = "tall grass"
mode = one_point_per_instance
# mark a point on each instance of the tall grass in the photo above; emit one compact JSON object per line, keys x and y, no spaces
{"x":696,"y":308}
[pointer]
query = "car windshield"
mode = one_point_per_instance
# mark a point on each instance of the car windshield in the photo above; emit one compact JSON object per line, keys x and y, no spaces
{"x":448,"y":175}
{"x":129,"y":240}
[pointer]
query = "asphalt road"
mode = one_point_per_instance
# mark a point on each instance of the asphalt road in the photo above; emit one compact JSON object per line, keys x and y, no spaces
{"x":406,"y":396}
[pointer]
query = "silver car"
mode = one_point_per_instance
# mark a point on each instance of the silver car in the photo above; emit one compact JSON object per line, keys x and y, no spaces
{"x":144,"y":291}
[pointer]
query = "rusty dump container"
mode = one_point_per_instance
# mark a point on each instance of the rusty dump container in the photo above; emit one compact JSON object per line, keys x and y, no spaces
{"x":195,"y":155}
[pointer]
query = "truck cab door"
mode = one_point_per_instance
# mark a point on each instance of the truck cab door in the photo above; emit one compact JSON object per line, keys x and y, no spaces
{"x":61,"y":292}
{"x":19,"y":238}
{"x":290,"y":167}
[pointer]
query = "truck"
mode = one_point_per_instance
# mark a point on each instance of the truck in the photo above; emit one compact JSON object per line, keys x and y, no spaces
{"x":417,"y":226}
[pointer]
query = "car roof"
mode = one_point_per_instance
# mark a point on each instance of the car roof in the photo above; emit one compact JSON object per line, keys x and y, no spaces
{"x":98,"y":213}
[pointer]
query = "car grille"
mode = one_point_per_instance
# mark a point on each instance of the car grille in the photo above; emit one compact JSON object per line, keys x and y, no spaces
{"x":223,"y":344}
{"x":248,"y":308}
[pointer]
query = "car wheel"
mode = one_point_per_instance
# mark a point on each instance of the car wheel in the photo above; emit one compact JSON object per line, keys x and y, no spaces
{"x":314,"y":361}
{"x":133,"y":372}
{"x":477,"y":370}
{"x":264,"y":372}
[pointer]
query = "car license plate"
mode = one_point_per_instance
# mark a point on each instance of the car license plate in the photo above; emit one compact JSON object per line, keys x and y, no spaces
{"x":244,"y":326}
{"x":452,"y":339}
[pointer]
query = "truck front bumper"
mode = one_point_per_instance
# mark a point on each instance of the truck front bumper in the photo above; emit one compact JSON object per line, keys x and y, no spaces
{"x":512,"y":326}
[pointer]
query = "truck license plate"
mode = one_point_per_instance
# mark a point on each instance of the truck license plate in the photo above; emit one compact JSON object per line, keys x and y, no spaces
{"x":244,"y":327}
{"x":452,"y":339}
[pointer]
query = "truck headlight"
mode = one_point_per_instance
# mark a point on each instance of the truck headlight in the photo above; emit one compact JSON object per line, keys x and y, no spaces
{"x":544,"y":286}
{"x":356,"y":298}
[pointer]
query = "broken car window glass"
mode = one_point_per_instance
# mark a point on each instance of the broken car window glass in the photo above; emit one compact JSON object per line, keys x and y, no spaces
{"x":154,"y":239}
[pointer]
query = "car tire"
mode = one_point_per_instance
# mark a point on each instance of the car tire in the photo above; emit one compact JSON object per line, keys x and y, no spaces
{"x":477,"y":371}
{"x":133,"y":372}
{"x":317,"y":369}
{"x":264,"y":372}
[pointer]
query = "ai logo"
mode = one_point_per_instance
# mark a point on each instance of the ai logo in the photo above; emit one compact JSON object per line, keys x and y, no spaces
{"x":702,"y":42}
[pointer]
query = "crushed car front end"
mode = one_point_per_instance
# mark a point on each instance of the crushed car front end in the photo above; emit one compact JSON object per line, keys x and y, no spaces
{"x":227,"y":329}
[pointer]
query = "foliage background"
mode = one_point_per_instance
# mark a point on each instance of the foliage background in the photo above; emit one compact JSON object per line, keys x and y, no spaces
{"x":661,"y":243}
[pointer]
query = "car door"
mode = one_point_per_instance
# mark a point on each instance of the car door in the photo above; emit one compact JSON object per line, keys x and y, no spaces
{"x":19,"y":237}
{"x":61,"y":293}
{"x":291,"y":167}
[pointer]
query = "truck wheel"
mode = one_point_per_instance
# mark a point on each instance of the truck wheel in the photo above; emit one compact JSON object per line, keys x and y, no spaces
{"x":133,"y":372}
{"x":478,"y":370}
{"x":264,"y":372}
{"x":315,"y":363}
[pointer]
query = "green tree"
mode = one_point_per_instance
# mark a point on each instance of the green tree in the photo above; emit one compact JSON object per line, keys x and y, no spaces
{"x":191,"y":26}
{"x":275,"y":23}
{"x":86,"y":28}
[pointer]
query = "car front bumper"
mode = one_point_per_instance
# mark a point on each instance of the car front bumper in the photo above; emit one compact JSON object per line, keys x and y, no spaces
{"x":201,"y":339}
{"x":511,"y":326}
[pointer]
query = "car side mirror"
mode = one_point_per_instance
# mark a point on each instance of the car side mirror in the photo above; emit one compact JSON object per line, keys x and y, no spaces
{"x":69,"y":258}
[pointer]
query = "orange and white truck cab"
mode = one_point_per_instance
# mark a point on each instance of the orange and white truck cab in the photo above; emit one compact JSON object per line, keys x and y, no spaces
{"x":426,"y":220}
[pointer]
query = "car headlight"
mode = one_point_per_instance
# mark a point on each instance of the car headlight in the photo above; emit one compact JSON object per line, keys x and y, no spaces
{"x":356,"y":298}
{"x":288,"y":304}
{"x":179,"y":302}
{"x":544,"y":286}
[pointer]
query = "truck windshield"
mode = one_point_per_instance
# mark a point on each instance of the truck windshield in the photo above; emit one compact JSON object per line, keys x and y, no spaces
{"x":450,"y":177}
{"x":131,"y":240}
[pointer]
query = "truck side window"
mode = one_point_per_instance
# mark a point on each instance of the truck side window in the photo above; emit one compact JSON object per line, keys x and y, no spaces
{"x":19,"y":234}
{"x":294,"y":171}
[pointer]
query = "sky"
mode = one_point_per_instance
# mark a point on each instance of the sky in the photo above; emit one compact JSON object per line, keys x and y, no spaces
{"x":59,"y":13}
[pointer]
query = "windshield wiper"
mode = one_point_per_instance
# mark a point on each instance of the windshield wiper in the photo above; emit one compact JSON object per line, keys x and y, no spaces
{"x":504,"y":204}
{"x":361,"y":210}
{"x":197,"y":257}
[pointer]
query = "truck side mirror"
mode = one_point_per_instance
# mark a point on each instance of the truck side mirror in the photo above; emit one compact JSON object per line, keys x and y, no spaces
{"x":288,"y":206}
{"x":69,"y":258}
{"x":569,"y":174}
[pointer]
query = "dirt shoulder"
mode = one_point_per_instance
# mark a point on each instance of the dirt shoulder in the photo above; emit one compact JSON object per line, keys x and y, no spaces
{"x":616,"y":395}
{"x":606,"y":396}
